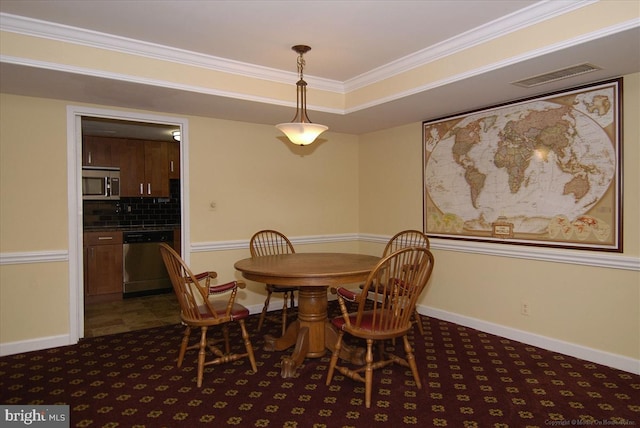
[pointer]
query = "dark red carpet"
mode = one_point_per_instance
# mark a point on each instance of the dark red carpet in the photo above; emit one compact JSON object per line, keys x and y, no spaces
{"x":470,"y":379}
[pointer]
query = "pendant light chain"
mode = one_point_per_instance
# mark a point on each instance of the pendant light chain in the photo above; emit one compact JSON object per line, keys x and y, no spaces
{"x":301,"y":92}
{"x":300,"y":130}
{"x":301,"y":65}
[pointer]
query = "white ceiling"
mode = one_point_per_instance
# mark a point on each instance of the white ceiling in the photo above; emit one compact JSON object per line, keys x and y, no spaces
{"x":352,"y":42}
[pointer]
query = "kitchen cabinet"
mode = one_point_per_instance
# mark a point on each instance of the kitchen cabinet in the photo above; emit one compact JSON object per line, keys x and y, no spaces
{"x":98,"y":151}
{"x":131,"y":153}
{"x":173,"y":158}
{"x":144,"y":169}
{"x":102,"y":266}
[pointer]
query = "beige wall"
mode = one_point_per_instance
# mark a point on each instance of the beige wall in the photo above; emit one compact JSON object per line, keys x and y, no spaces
{"x":33,"y":174}
{"x":34,"y":301}
{"x":369,"y":184}
{"x":255,"y":177}
{"x":593,"y":307}
{"x":259,"y":180}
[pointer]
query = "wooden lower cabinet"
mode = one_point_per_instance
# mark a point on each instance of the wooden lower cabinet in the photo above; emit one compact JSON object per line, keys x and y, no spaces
{"x":102,"y":266}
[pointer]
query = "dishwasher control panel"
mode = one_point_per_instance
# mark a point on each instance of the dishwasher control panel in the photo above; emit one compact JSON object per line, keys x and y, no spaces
{"x":141,"y":236}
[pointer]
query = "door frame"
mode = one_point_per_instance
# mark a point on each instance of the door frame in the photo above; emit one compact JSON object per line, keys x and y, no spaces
{"x":74,"y":198}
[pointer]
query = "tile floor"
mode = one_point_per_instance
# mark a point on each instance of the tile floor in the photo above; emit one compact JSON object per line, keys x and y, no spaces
{"x":130,"y":314}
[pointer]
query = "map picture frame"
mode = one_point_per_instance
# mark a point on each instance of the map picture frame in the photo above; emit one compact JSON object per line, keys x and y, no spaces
{"x":542,"y":171}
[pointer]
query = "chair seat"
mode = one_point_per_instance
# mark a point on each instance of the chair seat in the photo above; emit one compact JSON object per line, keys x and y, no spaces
{"x":238,"y":311}
{"x":367,"y":323}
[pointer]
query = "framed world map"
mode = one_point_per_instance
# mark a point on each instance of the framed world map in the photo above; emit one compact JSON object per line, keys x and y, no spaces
{"x":541,"y":171}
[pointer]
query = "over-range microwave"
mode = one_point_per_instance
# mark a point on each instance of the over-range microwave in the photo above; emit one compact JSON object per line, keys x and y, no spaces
{"x":100,"y":183}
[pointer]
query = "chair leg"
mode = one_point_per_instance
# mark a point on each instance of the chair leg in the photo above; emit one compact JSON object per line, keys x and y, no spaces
{"x":418,"y":321}
{"x":184,"y":345}
{"x":334,"y":358}
{"x":368,"y":374}
{"x":264,"y":308}
{"x":201,"y":354}
{"x":247,"y":345}
{"x":225,"y":335}
{"x":412,"y":361}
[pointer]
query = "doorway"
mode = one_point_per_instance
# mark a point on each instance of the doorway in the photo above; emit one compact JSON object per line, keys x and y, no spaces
{"x":116,"y":124}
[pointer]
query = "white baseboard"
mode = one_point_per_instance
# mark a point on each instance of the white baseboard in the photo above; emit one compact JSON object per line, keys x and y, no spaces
{"x":620,"y":362}
{"x":30,"y":345}
{"x":12,"y":348}
{"x":578,"y":351}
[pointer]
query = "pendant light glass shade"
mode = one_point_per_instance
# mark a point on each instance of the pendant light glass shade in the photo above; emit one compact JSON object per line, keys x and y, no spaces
{"x":300,"y":130}
{"x":301,"y":133}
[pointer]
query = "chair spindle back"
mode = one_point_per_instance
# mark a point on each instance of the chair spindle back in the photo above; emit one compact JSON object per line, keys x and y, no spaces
{"x":393,"y":288}
{"x":270,"y":243}
{"x":192,"y":292}
{"x":404,"y":239}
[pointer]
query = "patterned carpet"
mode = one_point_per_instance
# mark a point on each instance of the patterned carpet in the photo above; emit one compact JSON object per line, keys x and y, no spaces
{"x":470,"y":379}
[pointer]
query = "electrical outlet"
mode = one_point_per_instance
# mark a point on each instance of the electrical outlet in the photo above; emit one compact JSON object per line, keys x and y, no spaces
{"x":524,"y":309}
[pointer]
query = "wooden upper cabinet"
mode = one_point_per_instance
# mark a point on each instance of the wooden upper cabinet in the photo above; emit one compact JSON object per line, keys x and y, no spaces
{"x":156,"y":169}
{"x":173,"y":156}
{"x":145,"y":166}
{"x":97,"y":151}
{"x":131,"y":167}
{"x":144,"y":169}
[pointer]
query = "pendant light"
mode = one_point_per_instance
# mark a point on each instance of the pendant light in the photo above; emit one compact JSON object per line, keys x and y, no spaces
{"x":300,"y":130}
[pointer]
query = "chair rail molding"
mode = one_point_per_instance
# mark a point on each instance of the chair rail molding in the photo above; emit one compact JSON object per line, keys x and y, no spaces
{"x":577,"y":257}
{"x":568,"y":256}
{"x":34,"y":257}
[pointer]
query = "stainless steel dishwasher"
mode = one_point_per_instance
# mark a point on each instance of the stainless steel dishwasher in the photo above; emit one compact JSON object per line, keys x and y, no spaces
{"x":144,"y":271}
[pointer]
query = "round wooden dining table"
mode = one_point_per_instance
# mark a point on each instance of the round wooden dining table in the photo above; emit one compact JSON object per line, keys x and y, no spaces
{"x":313,"y":273}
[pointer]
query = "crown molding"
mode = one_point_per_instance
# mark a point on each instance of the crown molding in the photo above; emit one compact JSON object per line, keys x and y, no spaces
{"x":7,"y":59}
{"x":604,"y":32}
{"x":94,"y":39}
{"x":521,"y":19}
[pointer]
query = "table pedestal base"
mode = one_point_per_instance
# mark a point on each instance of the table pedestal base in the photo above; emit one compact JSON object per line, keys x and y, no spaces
{"x":300,"y":337}
{"x":312,"y":334}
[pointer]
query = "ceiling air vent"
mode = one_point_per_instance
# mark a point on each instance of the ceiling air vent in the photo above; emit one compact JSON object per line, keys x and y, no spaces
{"x":564,"y":73}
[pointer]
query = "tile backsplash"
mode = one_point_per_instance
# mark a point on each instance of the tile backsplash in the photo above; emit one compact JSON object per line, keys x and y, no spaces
{"x":134,"y":212}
